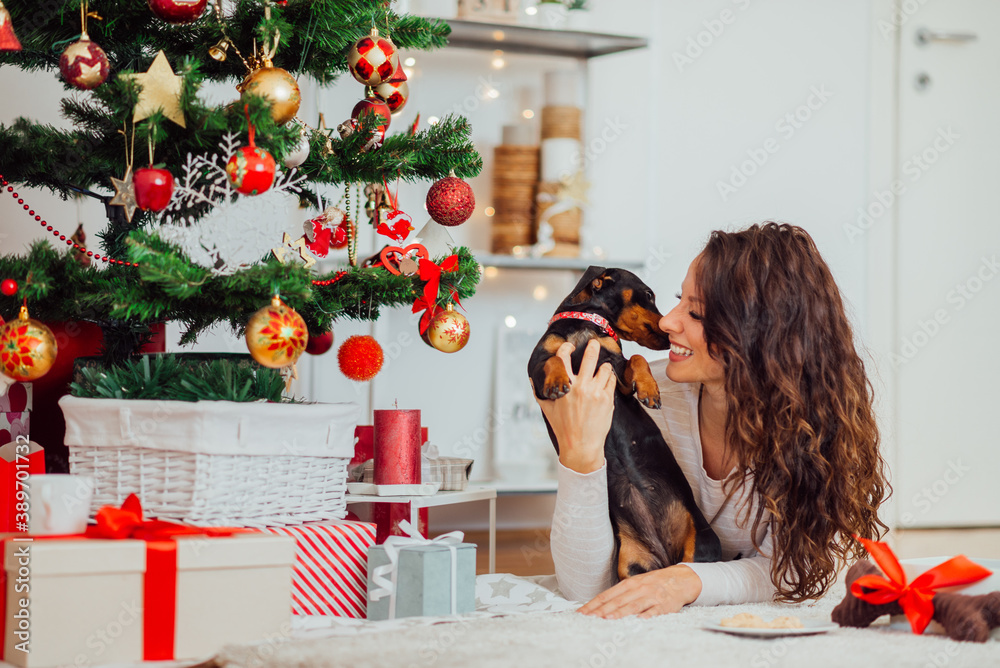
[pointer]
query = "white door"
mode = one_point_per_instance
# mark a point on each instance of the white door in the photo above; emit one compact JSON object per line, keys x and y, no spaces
{"x":947,"y":351}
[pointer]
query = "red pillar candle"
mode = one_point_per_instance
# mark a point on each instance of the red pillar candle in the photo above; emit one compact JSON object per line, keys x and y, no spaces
{"x":397,"y":447}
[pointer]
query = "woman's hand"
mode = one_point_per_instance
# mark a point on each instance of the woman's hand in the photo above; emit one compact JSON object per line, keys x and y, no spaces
{"x":647,"y":595}
{"x":581,"y":420}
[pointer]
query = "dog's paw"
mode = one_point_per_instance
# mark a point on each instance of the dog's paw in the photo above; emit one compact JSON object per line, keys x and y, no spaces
{"x":648,"y":393}
{"x":555,"y":388}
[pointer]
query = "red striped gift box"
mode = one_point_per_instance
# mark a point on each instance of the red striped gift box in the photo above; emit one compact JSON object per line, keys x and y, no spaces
{"x":331,"y":567}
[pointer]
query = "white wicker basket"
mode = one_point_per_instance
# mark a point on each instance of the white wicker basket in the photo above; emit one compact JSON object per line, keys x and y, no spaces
{"x":215,"y":463}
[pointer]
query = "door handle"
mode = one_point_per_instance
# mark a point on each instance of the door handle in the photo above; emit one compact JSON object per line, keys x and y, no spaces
{"x":925,"y":37}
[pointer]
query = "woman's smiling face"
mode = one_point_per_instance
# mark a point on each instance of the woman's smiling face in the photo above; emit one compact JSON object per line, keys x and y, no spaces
{"x":690,"y":361}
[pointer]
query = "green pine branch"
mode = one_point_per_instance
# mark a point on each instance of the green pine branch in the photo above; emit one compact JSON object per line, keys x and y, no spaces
{"x":167,"y":285}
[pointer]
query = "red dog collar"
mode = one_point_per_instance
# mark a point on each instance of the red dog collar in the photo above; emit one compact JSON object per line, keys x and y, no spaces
{"x":590,"y":317}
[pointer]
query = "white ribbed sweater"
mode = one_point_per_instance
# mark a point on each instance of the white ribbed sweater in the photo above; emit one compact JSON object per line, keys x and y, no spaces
{"x":582,"y":538}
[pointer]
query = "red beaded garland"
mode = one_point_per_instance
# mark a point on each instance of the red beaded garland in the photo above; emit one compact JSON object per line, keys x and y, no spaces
{"x":8,"y":287}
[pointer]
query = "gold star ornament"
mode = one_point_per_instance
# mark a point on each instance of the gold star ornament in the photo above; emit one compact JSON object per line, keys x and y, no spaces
{"x":125,"y":194}
{"x":161,"y":91}
{"x":289,"y":250}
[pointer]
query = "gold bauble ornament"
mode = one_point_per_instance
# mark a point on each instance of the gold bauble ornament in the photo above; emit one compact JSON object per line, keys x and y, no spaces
{"x":276,"y":335}
{"x":279,"y":87}
{"x":27,"y":348}
{"x":448,"y":331}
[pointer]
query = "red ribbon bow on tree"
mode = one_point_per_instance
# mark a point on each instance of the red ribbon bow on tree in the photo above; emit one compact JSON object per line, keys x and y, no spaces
{"x":431,"y":273}
{"x":128,"y":522}
{"x":916,"y":598}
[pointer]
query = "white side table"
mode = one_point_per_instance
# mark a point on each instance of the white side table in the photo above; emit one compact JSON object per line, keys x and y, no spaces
{"x":442,"y":499}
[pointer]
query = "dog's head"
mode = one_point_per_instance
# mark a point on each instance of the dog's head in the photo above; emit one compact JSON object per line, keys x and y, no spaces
{"x":622,"y":298}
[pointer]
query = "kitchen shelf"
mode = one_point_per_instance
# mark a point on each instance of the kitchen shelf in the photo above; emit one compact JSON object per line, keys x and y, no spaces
{"x":565,"y":263}
{"x":538,"y":41}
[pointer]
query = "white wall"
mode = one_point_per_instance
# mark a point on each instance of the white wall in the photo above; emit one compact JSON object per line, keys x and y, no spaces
{"x":675,"y":133}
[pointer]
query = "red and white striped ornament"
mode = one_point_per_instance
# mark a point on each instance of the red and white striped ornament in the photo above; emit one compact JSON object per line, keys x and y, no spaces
{"x":330,"y":576}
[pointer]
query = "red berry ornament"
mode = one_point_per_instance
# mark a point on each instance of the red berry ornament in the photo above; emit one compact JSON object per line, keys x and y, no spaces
{"x":360,"y":358}
{"x":373,"y":59}
{"x":450,"y":201}
{"x":373,"y":105}
{"x":84,"y":64}
{"x":8,"y":287}
{"x":153,"y":188}
{"x":320,"y":343}
{"x":178,"y":11}
{"x":251,"y":170}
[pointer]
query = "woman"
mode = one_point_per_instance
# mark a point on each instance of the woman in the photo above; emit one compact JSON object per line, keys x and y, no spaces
{"x":767,"y":409}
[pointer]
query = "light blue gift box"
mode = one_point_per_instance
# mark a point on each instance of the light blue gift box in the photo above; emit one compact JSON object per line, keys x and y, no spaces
{"x":431,"y":578}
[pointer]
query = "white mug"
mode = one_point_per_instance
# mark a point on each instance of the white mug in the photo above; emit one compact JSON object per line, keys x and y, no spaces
{"x":58,"y":503}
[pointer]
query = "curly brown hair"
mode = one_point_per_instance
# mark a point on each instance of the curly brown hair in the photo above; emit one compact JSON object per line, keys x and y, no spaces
{"x":800,"y":414}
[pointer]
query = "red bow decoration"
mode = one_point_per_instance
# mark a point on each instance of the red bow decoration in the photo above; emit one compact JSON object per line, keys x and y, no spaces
{"x":128,"y":522}
{"x":916,"y":598}
{"x":431,"y":273}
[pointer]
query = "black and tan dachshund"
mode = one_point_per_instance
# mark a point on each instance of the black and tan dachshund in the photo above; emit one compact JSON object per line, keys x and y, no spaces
{"x":653,"y":512}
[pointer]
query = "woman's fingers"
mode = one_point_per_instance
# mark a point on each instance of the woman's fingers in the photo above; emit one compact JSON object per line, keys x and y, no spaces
{"x":563,"y":352}
{"x":606,"y":378}
{"x":590,"y":356}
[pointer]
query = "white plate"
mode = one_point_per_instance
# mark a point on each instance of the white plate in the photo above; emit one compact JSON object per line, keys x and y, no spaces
{"x":809,"y":627}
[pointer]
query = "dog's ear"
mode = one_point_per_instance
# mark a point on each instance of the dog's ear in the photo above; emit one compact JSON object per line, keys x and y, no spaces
{"x":603,"y":279}
{"x":584,"y":290}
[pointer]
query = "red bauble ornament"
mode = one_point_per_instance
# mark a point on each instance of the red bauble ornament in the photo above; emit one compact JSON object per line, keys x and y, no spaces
{"x":320,"y":343}
{"x":450,"y":201}
{"x":178,"y":11}
{"x":360,"y":358}
{"x":373,"y":105}
{"x":84,"y":64}
{"x":373,"y":59}
{"x":153,"y":188}
{"x":8,"y":287}
{"x":251,"y":170}
{"x":394,"y":94}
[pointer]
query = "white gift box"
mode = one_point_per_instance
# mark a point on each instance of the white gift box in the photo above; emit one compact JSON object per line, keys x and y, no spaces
{"x":80,"y":602}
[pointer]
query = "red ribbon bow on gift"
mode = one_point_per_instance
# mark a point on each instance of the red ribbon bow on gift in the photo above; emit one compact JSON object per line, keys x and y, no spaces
{"x":916,"y":598}
{"x":431,"y":273}
{"x":128,"y":522}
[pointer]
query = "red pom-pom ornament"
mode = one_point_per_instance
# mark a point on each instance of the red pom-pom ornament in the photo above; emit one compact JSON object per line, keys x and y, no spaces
{"x":360,"y":358}
{"x":450,"y":201}
{"x":8,"y":287}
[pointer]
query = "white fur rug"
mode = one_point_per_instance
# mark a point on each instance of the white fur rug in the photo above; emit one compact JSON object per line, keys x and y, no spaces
{"x":522,"y":624}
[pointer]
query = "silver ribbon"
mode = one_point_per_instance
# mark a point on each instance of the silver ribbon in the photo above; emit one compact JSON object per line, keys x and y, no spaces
{"x":384,"y":577}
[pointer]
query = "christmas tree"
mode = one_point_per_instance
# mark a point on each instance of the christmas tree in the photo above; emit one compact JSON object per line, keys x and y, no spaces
{"x":140,"y":67}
